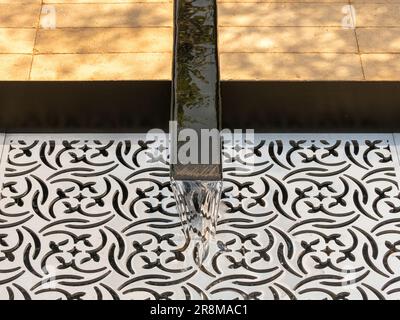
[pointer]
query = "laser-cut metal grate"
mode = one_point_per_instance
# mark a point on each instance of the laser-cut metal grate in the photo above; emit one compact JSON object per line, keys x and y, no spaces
{"x":90,"y":217}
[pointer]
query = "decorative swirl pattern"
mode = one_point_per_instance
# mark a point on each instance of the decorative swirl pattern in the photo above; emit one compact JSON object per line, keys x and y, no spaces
{"x":303,"y":217}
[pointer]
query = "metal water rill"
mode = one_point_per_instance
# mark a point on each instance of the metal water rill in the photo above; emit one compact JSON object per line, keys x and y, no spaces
{"x":196,"y":105}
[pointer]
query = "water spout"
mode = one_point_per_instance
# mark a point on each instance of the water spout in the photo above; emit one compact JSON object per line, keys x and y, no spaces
{"x":197,"y":183}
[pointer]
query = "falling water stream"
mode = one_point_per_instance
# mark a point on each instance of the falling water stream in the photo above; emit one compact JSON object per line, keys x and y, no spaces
{"x":198,"y":203}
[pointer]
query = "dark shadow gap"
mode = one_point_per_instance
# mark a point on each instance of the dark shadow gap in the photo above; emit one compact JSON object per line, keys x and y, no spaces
{"x":137,"y":106}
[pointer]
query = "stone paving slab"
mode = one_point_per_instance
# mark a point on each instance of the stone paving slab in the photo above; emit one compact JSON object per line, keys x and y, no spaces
{"x":286,"y":1}
{"x":15,"y":66}
{"x":381,"y":66}
{"x":13,"y":40}
{"x":285,"y":66}
{"x":374,"y":1}
{"x":100,"y":1}
{"x":379,"y":40}
{"x":280,"y":14}
{"x":377,"y":15}
{"x":114,"y":15}
{"x":287,"y":39}
{"x":19,"y":15}
{"x":104,"y":40}
{"x":21,"y":1}
{"x":120,"y":66}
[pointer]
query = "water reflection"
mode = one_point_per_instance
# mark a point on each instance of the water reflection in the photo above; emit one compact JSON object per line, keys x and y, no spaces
{"x":196,"y":100}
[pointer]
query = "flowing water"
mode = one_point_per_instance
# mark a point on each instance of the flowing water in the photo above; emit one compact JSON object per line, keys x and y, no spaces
{"x":196,"y":105}
{"x":198,"y":204}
